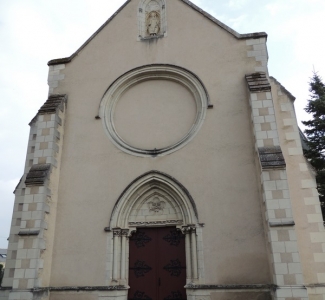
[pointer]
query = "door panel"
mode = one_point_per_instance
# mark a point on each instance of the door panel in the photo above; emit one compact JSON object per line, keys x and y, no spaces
{"x":142,"y":265}
{"x":172,"y":264}
{"x":157,"y":269}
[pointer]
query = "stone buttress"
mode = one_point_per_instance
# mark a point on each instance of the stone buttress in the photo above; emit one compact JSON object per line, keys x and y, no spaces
{"x":32,"y":229}
{"x":279,"y":222}
{"x":306,"y":206}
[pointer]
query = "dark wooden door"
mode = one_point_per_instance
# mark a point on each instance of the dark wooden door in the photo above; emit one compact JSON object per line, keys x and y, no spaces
{"x":157,"y":265}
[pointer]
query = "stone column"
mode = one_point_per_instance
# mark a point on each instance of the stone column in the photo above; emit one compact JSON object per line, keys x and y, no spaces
{"x":194,"y":253}
{"x":116,"y":254}
{"x":191,"y":253}
{"x":124,"y":234}
{"x":187,"y":233}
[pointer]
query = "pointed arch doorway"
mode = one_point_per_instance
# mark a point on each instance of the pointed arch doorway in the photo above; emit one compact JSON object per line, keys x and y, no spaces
{"x":157,"y":264}
{"x":154,"y":209}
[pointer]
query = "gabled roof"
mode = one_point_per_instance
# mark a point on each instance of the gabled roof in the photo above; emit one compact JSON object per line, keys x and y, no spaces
{"x":187,"y":2}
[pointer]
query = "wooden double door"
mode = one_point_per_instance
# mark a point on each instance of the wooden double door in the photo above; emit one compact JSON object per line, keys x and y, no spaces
{"x":157,"y":264}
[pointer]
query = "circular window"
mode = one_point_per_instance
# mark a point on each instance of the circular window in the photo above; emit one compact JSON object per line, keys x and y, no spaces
{"x":154,"y":110}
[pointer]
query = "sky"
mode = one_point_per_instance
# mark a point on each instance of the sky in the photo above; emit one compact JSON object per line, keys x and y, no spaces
{"x":32,"y":32}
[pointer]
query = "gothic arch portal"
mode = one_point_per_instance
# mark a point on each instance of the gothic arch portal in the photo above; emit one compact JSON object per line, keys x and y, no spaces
{"x":154,"y":199}
{"x":152,"y":20}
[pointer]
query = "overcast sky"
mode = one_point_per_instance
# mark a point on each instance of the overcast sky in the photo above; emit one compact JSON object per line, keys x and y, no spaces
{"x":34,"y":31}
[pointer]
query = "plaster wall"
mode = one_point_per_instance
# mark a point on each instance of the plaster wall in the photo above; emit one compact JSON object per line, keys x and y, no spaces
{"x":217,"y":166}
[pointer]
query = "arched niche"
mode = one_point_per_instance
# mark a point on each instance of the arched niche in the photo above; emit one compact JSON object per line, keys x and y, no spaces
{"x":152,"y":21}
{"x":154,"y":199}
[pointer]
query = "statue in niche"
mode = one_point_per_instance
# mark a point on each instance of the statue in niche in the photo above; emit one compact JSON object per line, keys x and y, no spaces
{"x":153,"y":23}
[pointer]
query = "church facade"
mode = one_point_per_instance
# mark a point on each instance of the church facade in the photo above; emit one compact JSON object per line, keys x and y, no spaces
{"x":166,"y":164}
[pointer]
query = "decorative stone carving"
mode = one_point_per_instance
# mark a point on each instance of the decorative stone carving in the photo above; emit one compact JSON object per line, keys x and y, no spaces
{"x":153,"y":23}
{"x":152,"y":19}
{"x":167,"y":222}
{"x":125,"y":232}
{"x":188,"y":229}
{"x":117,"y":232}
{"x":156,"y":205}
{"x":120,"y":232}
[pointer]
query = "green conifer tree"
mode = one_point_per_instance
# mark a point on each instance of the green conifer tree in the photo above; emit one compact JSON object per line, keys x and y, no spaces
{"x":315,"y":133}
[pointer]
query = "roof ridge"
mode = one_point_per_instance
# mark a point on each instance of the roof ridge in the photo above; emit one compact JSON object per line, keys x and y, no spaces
{"x":254,"y":35}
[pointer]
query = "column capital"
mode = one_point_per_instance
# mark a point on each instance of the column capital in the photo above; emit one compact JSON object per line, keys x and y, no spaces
{"x":117,"y":232}
{"x":187,"y":229}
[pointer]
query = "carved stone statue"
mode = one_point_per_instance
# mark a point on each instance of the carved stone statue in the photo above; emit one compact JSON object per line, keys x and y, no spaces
{"x":153,"y":23}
